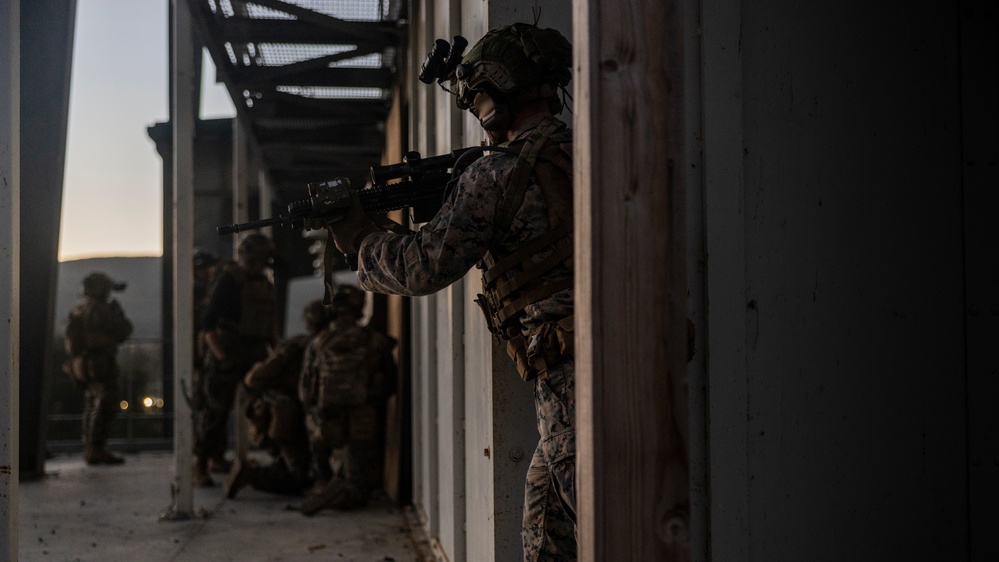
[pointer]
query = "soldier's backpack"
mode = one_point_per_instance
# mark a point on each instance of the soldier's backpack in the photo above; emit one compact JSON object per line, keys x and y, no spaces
{"x":348,"y":366}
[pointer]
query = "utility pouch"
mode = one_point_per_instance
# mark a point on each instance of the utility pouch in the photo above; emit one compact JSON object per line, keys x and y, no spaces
{"x":550,"y":345}
{"x":516,"y":348}
{"x":565,"y":333}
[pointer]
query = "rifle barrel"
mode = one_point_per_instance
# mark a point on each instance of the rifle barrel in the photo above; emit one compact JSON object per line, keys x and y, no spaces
{"x":252,"y":225}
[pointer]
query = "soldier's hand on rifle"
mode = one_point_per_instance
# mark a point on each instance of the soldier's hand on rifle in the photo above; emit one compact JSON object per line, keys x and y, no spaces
{"x":349,"y":232}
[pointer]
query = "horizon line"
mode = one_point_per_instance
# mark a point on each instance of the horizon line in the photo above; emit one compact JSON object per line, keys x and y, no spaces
{"x":98,"y":255}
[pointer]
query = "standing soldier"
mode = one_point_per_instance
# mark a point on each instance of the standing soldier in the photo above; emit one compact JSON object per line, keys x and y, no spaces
{"x":510,"y":214}
{"x":347,"y":373}
{"x":277,"y":417}
{"x":239,"y":328}
{"x":96,"y":328}
{"x":205,"y":266}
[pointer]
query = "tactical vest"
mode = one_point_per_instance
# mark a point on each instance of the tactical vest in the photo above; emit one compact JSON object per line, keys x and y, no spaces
{"x":346,"y":365}
{"x":258,"y":306}
{"x":513,"y":280}
{"x":281,"y":370}
{"x":96,"y":326}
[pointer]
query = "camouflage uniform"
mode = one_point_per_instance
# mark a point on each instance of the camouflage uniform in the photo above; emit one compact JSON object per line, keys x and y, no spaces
{"x":442,"y":252}
{"x":96,"y":328}
{"x":241,"y":312}
{"x":277,"y":423}
{"x":348,"y":371}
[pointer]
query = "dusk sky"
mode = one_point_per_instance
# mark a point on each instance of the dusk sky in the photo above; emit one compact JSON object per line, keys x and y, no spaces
{"x":112,"y":197}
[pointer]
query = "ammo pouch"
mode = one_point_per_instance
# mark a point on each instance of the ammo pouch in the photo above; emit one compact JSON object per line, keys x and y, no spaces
{"x":546,"y":346}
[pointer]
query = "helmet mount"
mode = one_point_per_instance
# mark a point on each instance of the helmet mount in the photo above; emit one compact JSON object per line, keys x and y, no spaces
{"x":512,"y":64}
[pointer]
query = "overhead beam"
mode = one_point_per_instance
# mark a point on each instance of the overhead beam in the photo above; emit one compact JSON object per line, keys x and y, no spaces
{"x":270,"y":73}
{"x":295,"y":32}
{"x":386,"y":35}
{"x":320,"y":149}
{"x":252,"y":78}
{"x":290,"y":106}
{"x":364,"y":135}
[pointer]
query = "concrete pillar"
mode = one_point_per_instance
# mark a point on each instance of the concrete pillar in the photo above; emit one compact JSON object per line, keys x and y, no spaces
{"x":10,"y":22}
{"x":47,"y":56}
{"x":185,"y":78}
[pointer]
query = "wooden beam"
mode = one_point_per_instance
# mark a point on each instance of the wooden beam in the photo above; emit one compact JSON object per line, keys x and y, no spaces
{"x":630,"y":281}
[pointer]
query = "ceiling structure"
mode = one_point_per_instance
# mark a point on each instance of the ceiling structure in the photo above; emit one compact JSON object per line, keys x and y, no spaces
{"x":311,"y":79}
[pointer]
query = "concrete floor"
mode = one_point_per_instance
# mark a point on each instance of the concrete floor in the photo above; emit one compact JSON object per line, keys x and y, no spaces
{"x":112,"y":514}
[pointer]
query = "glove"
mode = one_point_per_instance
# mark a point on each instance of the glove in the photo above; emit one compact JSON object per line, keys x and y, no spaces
{"x":350,"y":231}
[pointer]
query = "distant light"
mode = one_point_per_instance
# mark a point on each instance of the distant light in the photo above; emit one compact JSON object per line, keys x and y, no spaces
{"x":159,"y":402}
{"x":148,"y":402}
{"x":123,"y":404}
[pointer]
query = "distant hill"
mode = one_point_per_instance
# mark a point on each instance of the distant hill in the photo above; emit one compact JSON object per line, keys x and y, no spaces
{"x":141,"y":299}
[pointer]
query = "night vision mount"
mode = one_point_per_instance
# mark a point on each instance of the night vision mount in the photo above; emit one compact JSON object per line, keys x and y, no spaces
{"x":442,"y":59}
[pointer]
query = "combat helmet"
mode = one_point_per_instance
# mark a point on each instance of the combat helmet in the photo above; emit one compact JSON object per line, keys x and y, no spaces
{"x":98,"y":285}
{"x":348,"y":298}
{"x":204,"y":258}
{"x":255,"y":247}
{"x":515,"y":62}
{"x":316,"y":315}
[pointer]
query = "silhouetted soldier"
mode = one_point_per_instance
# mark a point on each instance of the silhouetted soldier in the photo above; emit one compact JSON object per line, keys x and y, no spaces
{"x":97,"y":326}
{"x":348,"y":372}
{"x":276,"y":415}
{"x":239,"y":329}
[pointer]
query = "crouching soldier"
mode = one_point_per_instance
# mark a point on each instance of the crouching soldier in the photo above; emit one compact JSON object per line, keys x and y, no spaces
{"x":276,"y":416}
{"x":348,"y":371}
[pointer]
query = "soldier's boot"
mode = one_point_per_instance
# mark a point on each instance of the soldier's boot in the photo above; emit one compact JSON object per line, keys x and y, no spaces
{"x":218,"y":465}
{"x":100,"y":455}
{"x":241,"y":475}
{"x":199,"y":474}
{"x":318,"y":486}
{"x":333,"y":496}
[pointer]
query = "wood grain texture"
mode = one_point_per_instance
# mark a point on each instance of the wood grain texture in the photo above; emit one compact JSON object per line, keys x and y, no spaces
{"x":631,"y":282}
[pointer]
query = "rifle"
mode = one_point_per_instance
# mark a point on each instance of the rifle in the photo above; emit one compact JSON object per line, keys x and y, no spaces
{"x":422,"y":187}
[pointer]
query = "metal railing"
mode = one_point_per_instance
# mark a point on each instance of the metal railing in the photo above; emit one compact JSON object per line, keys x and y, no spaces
{"x":144,"y":420}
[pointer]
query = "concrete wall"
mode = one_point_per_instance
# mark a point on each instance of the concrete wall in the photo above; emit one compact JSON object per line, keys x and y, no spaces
{"x":474,"y":426}
{"x":829,"y":283}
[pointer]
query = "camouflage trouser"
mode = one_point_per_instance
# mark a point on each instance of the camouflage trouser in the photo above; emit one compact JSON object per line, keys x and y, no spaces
{"x":549,"y":530}
{"x":218,"y":383}
{"x":279,"y":478}
{"x":100,"y":398}
{"x":284,"y":437}
{"x":349,"y":436}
